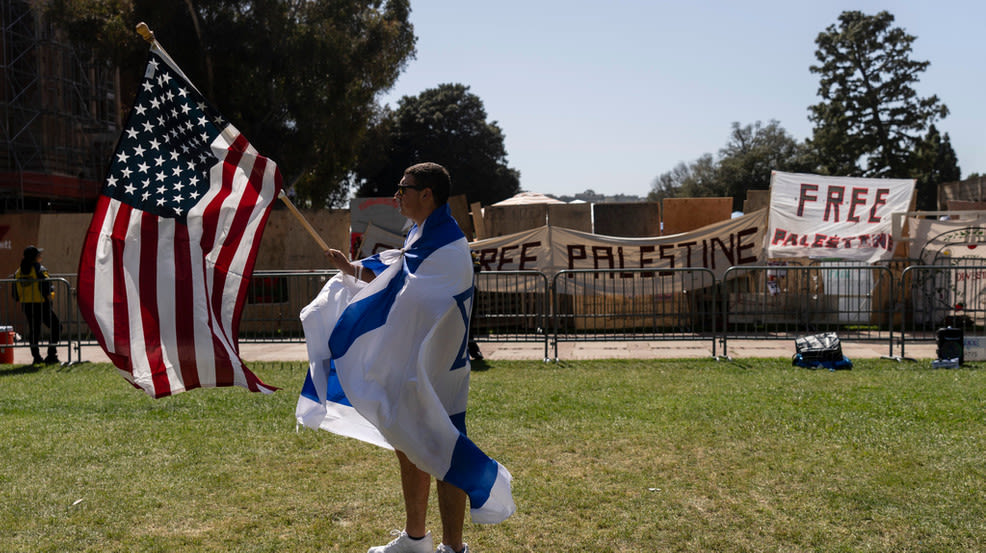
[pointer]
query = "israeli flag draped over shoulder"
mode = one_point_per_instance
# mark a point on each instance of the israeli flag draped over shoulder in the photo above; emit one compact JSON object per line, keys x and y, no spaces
{"x":388,"y":362}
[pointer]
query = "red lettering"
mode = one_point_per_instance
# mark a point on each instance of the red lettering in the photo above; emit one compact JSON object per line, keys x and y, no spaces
{"x":858,"y":199}
{"x":833,"y":200}
{"x":778,"y":238}
{"x":805,"y":197}
{"x":881,"y":199}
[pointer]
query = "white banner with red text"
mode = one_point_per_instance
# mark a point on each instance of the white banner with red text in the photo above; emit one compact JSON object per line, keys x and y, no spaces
{"x":816,"y":216}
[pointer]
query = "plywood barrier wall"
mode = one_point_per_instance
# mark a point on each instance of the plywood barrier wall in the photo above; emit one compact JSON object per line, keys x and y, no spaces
{"x":460,"y":212}
{"x":508,"y":219}
{"x":965,"y":205}
{"x":573,"y":216}
{"x":62,"y":236}
{"x":287,"y":246}
{"x":685,"y":214}
{"x":628,"y":219}
{"x":478,"y":225}
{"x":756,"y":199}
{"x":16,"y":233}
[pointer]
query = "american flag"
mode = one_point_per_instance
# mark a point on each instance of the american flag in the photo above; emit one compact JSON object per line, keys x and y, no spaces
{"x":169,"y":253}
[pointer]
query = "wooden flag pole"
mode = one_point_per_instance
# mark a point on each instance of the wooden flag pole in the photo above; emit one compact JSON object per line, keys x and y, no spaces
{"x":304,"y":222}
{"x":146,"y":32}
{"x":148,"y":35}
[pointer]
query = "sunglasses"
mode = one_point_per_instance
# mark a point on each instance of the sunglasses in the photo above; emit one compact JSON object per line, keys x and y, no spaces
{"x":402,"y":188}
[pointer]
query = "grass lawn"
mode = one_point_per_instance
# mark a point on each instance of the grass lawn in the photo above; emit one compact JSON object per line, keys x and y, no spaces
{"x":607,"y":456}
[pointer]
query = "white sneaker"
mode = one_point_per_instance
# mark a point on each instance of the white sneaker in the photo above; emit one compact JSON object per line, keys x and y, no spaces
{"x":442,"y":548}
{"x":404,"y":544}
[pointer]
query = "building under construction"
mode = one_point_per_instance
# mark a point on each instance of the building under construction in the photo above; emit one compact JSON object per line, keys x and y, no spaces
{"x":59,"y":113}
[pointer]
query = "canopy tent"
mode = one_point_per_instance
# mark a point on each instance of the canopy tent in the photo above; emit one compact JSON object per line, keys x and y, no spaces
{"x":527,"y":198}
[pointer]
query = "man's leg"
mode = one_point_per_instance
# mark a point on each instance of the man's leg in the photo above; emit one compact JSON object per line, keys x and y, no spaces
{"x":415,"y":484}
{"x":452,"y":507}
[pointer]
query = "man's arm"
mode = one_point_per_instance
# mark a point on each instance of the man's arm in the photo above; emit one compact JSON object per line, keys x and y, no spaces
{"x":341,"y":262}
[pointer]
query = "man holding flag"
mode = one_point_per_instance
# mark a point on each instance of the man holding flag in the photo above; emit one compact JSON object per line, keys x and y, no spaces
{"x":388,"y":365}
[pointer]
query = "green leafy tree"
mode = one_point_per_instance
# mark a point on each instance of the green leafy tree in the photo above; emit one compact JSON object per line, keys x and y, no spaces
{"x":745,"y":163}
{"x":699,"y":178}
{"x":752,"y":153}
{"x":870,"y":118}
{"x":934,"y":162}
{"x":446,"y":125}
{"x":299,"y":79}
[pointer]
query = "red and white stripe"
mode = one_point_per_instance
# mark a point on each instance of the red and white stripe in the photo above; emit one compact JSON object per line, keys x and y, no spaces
{"x":164,"y":299}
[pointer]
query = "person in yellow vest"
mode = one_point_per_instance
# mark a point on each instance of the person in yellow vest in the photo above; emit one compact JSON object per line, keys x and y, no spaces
{"x":35,"y":293}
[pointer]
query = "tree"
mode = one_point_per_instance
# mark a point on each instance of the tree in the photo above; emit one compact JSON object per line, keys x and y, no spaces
{"x":697,"y":179}
{"x":752,"y":153}
{"x":745,"y":163}
{"x":934,"y":162}
{"x":870,"y":118}
{"x":446,"y":125}
{"x":299,"y":79}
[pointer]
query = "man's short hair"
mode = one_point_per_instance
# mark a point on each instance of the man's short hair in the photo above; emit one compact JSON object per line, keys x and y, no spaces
{"x":434,"y":176}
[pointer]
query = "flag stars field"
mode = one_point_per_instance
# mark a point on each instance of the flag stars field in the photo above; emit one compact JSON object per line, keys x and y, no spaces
{"x":164,"y":113}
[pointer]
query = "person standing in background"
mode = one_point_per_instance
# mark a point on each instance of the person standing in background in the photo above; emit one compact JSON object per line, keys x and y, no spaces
{"x":35,"y":293}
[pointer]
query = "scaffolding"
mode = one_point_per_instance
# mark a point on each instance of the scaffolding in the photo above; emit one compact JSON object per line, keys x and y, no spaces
{"x":59,"y":116}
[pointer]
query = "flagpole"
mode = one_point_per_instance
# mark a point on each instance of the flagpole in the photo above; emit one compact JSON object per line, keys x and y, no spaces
{"x":304,"y":222}
{"x":146,"y":32}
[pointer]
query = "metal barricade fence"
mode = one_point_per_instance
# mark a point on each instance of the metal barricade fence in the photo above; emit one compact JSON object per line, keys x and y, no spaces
{"x":634,"y":304}
{"x":771,"y":302}
{"x":63,"y":305}
{"x":274,"y":302}
{"x":511,"y":306}
{"x":865,"y":302}
{"x":938,"y":296}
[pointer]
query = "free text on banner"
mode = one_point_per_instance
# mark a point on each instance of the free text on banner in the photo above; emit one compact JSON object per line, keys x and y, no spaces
{"x":551,"y":249}
{"x":844,"y":217}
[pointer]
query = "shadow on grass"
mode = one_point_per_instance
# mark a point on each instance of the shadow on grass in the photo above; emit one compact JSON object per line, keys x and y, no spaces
{"x":18,"y":370}
{"x":479,"y":365}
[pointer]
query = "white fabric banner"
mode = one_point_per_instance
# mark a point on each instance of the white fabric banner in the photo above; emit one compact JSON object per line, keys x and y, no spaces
{"x":936,"y":241}
{"x":842,"y":217}
{"x":548,"y":250}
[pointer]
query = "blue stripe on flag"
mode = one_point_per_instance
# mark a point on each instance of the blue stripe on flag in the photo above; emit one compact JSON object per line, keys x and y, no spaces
{"x":472,"y":471}
{"x":374,"y":264}
{"x":459,"y":422}
{"x":333,"y":388}
{"x":308,"y":390}
{"x":363,"y":316}
{"x":442,"y":230}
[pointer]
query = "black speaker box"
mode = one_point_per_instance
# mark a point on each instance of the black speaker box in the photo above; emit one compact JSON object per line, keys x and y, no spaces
{"x":950,"y":344}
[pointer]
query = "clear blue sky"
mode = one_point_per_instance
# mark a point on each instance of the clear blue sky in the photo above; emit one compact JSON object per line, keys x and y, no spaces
{"x":609,"y":95}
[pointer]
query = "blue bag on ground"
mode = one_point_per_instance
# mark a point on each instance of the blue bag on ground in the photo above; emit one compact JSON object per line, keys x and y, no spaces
{"x":820,"y":350}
